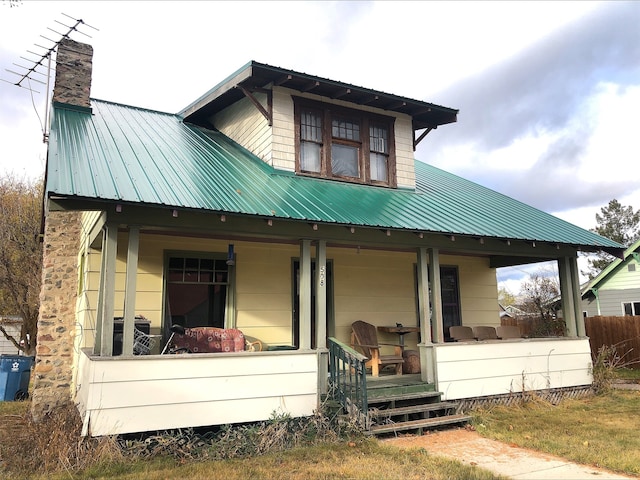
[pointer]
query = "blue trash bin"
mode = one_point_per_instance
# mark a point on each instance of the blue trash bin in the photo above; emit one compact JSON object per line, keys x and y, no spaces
{"x":15,"y":374}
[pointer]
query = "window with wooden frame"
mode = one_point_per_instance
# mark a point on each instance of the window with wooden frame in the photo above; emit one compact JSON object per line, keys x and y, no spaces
{"x":344,"y":144}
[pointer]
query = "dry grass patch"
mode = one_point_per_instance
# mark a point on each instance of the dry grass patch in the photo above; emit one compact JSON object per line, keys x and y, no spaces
{"x":601,"y":430}
{"x":365,"y":460}
{"x":280,"y":449}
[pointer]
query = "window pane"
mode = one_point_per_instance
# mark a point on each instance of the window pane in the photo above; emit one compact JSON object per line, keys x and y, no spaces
{"x":311,"y":126}
{"x":636,"y":308}
{"x":378,"y":138}
{"x":627,"y":308}
{"x":344,"y":161}
{"x":346,"y":129}
{"x":378,"y":167}
{"x":310,"y":157}
{"x":206,"y":264}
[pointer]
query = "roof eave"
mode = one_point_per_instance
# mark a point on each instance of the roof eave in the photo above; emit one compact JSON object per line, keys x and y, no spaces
{"x":254,"y":74}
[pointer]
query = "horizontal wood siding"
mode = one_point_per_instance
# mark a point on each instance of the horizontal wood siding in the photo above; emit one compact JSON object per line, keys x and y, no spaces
{"x":180,"y":391}
{"x":623,"y":279}
{"x":478,"y":290}
{"x":6,"y":346}
{"x":467,"y":370}
{"x":405,"y":156}
{"x":622,"y":332}
{"x":377,"y":287}
{"x":243,"y":123}
{"x":284,"y":147}
{"x":264,"y":296}
{"x":611,"y":301}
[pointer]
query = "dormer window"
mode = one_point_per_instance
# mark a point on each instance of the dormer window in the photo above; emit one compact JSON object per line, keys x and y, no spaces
{"x":344,"y":144}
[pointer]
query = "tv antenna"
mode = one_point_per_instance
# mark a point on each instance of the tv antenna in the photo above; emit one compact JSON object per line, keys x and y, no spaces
{"x":42,"y":60}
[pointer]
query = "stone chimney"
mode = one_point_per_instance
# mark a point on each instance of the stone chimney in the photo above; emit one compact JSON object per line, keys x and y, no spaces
{"x":73,"y":73}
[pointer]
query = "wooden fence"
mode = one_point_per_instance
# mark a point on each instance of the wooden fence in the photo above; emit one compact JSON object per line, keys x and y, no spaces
{"x":621,"y":332}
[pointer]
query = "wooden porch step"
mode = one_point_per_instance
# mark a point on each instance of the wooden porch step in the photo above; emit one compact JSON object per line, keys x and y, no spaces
{"x":413,"y":409}
{"x":391,"y":397}
{"x":420,"y":425}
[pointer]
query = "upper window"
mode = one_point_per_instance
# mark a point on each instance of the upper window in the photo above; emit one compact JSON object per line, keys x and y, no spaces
{"x":345,"y":144}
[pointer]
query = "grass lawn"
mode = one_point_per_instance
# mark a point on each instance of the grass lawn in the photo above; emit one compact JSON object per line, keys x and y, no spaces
{"x":628,"y":374}
{"x":358,"y":459}
{"x":601,"y":431}
{"x":364,"y":460}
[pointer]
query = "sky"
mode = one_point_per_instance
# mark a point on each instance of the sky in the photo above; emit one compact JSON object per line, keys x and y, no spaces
{"x":548,"y":92}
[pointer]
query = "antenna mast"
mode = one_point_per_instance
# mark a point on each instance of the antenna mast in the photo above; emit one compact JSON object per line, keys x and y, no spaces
{"x":28,"y":72}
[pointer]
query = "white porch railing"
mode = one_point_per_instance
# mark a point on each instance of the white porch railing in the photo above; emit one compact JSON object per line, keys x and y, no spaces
{"x":156,"y":392}
{"x":478,"y":369}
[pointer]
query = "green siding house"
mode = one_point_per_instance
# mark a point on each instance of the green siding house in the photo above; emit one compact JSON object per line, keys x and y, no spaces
{"x":616,"y":290}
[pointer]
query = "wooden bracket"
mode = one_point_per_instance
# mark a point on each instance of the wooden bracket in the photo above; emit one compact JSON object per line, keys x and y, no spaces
{"x":268,"y":114}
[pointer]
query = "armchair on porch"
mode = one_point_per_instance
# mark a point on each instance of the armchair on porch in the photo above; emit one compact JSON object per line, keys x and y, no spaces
{"x":462,"y":334}
{"x":485,"y":333}
{"x":365,"y":338}
{"x":508,"y":331}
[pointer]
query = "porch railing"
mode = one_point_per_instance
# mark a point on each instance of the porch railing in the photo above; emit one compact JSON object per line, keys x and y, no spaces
{"x":348,"y":379}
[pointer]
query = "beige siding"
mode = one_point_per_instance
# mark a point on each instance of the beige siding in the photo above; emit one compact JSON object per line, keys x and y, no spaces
{"x":405,"y":168}
{"x":284,"y":151}
{"x":478,"y":290}
{"x":263,"y":288}
{"x":375,"y":286}
{"x":244,"y":123}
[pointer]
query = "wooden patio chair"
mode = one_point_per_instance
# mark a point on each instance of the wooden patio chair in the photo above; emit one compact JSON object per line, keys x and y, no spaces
{"x":508,"y":331}
{"x":462,"y":334}
{"x":485,"y":333}
{"x":365,"y":338}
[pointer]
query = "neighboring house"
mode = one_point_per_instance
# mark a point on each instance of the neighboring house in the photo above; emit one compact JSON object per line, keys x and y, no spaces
{"x":13,"y":326}
{"x":616,"y":290}
{"x":287,"y":206}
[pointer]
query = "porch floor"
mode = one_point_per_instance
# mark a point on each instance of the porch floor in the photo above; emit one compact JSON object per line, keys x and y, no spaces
{"x":394,"y":385}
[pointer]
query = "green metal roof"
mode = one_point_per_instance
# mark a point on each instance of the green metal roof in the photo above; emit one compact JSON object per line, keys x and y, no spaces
{"x":126,"y":154}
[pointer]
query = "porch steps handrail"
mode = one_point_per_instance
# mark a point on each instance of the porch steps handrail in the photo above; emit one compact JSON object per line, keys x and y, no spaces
{"x":348,"y":379}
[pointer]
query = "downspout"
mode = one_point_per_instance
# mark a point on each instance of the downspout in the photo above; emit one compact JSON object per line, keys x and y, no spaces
{"x":597,"y":295}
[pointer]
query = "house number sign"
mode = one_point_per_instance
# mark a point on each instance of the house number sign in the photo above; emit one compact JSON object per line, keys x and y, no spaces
{"x":322,"y":276}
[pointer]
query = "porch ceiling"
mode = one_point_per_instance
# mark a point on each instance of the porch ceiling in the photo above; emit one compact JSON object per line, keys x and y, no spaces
{"x":140,"y":158}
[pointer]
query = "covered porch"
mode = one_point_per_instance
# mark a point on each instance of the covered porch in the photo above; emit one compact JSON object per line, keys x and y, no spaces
{"x":322,"y":278}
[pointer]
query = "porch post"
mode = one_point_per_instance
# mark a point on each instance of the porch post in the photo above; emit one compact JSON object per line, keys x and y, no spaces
{"x":305,"y":294}
{"x":107,"y":290}
{"x":566,"y":293}
{"x":321,"y":314}
{"x":321,"y":294}
{"x":130,"y":291}
{"x":426,"y":346}
{"x":577,"y":295}
{"x":436,"y":295}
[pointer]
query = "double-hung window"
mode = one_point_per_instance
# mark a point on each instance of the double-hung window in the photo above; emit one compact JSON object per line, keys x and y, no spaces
{"x":345,"y":144}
